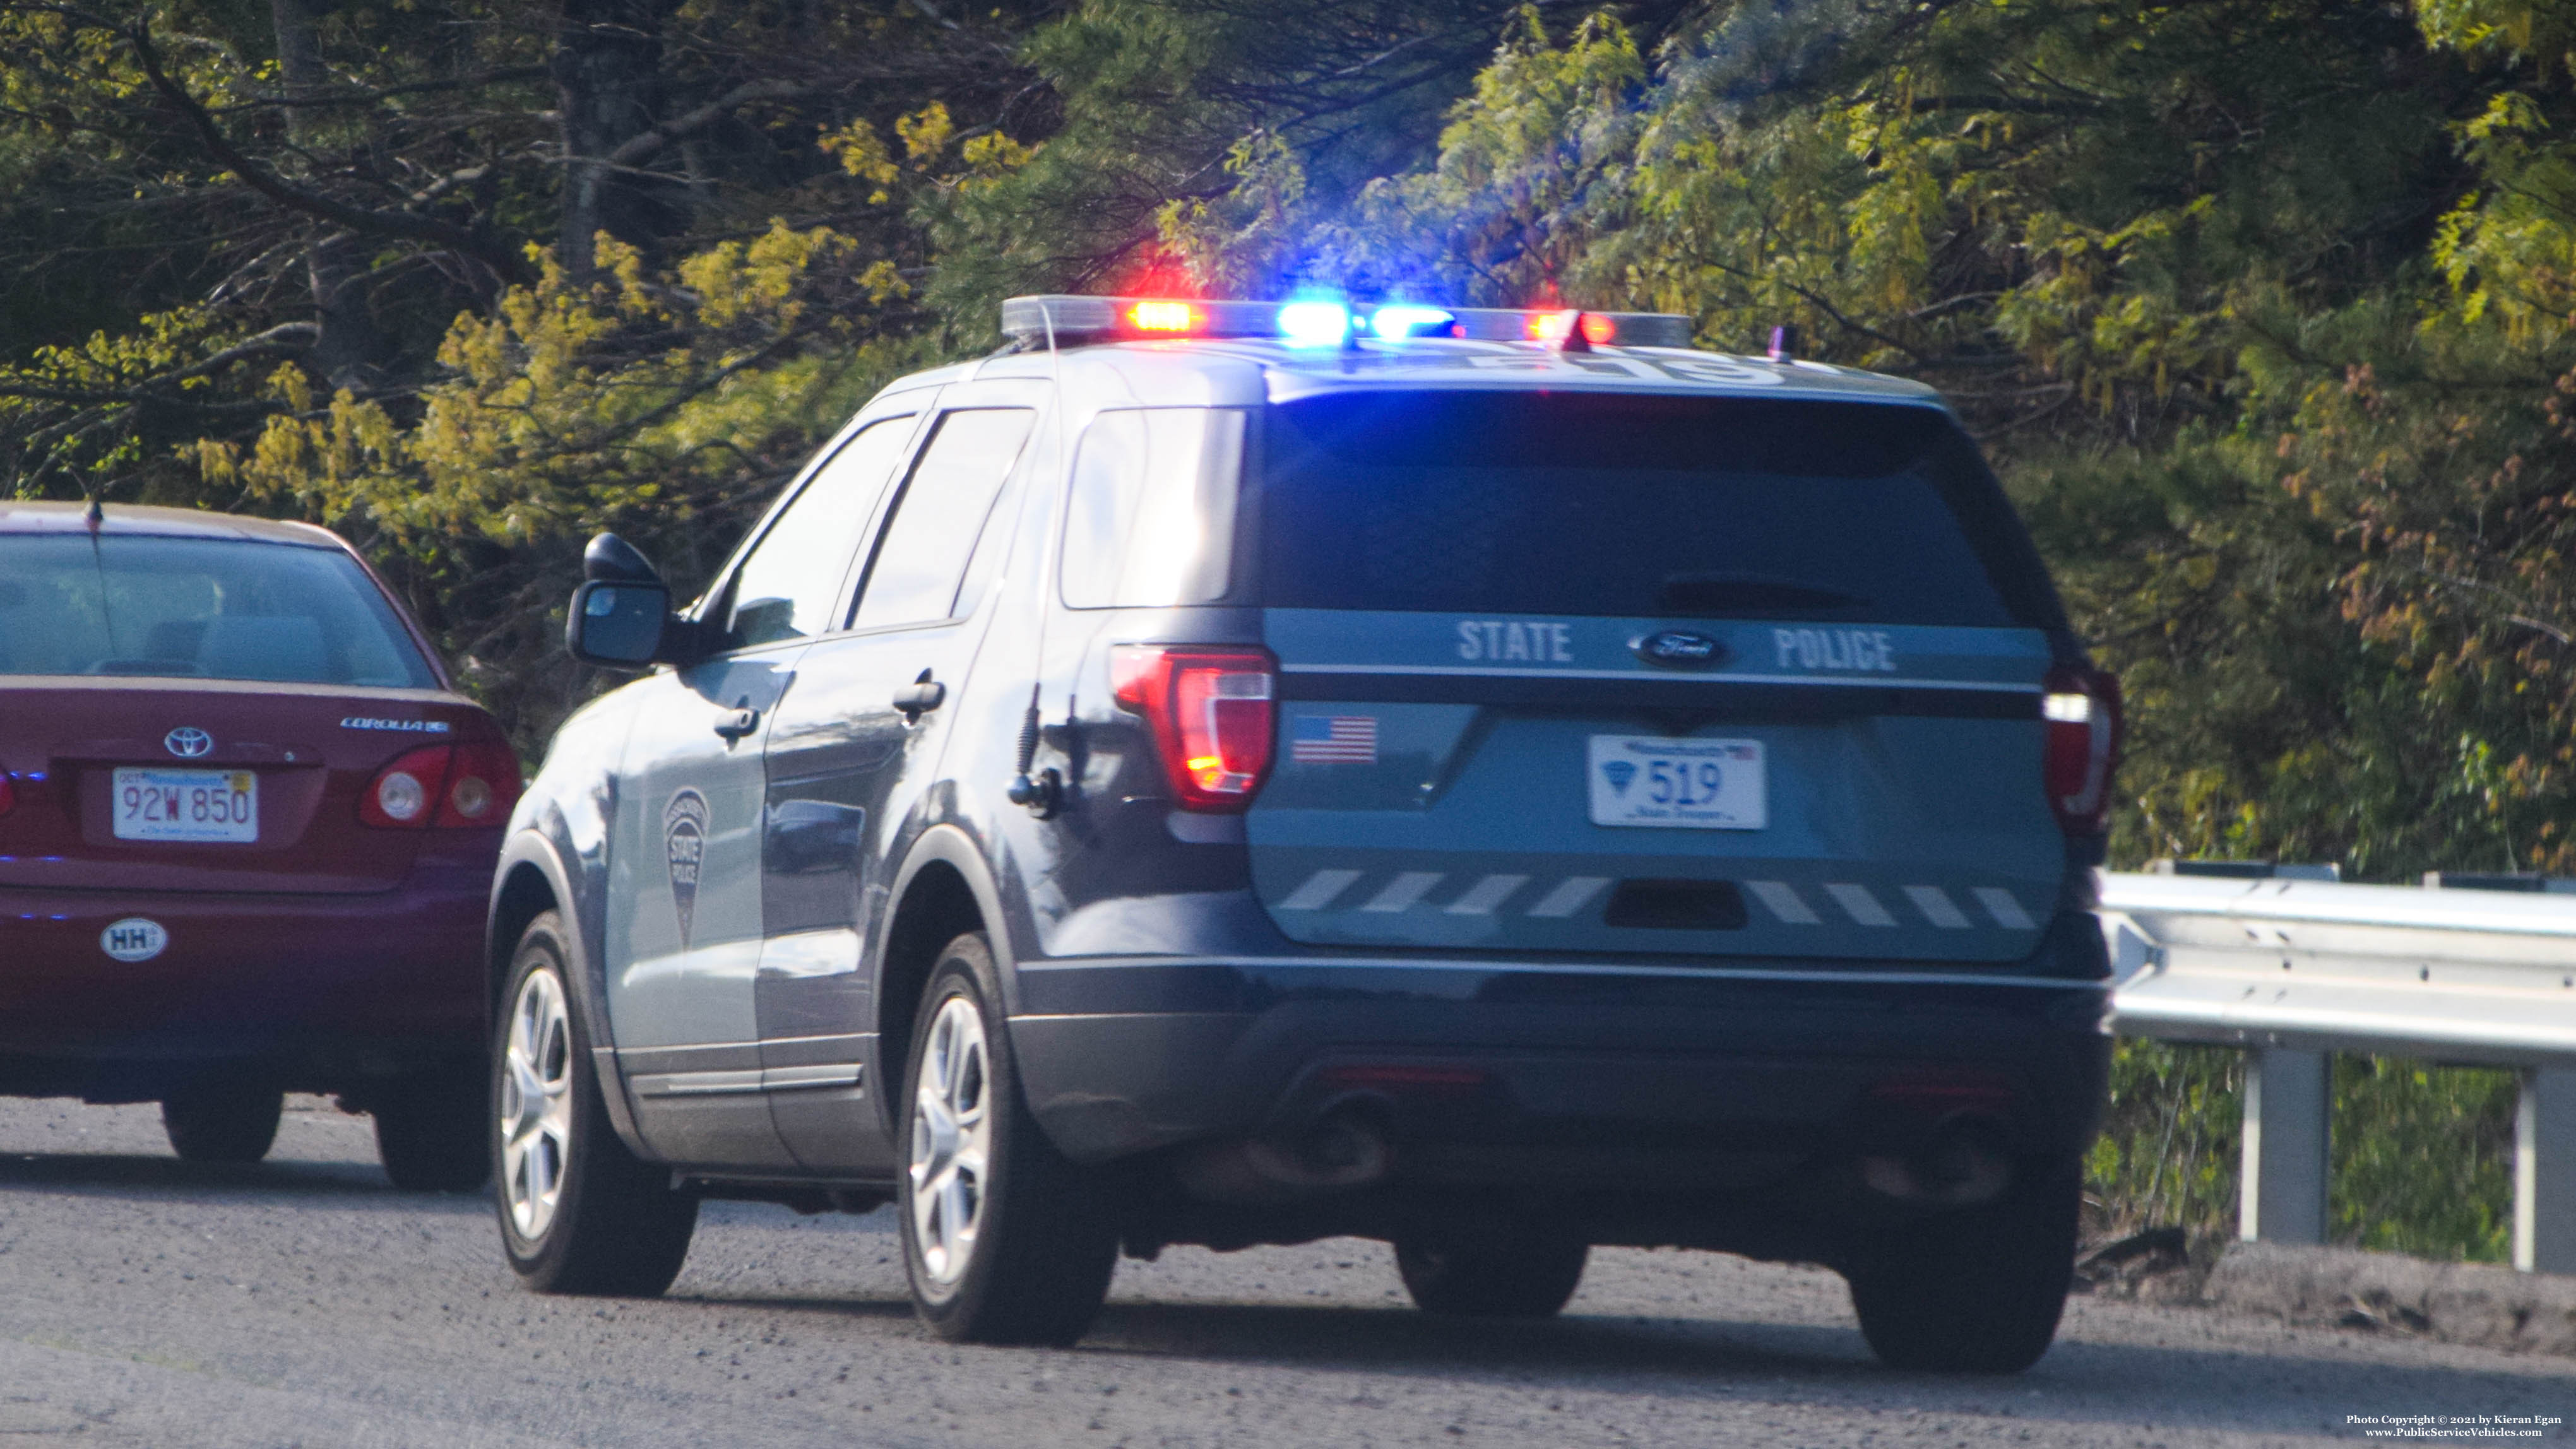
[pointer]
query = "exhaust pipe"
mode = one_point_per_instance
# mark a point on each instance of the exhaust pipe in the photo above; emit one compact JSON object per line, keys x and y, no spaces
{"x":1344,"y":1150}
{"x":1961,"y":1168}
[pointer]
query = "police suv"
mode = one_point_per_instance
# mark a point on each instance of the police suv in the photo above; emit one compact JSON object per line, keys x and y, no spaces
{"x":1228,"y":773}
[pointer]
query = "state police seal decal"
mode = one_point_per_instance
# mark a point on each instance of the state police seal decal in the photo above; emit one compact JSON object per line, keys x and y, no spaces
{"x":684,"y":848}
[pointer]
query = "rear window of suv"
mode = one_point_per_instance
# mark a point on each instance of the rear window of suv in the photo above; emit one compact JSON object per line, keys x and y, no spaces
{"x":124,"y":604}
{"x":1638,"y":506}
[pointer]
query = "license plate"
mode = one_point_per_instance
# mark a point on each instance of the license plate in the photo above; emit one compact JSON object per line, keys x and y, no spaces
{"x":193,"y":805}
{"x":1655,"y":780}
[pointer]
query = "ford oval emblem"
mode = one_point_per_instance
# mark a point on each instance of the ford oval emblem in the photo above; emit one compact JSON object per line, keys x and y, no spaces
{"x":1681,"y":649}
{"x":187,"y":742}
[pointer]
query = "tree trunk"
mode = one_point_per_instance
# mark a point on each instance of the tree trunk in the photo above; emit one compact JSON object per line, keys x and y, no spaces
{"x":607,"y":70}
{"x":350,"y":350}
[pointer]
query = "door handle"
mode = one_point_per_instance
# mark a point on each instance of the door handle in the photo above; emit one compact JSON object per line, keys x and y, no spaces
{"x":919,"y":696}
{"x":736,"y":723}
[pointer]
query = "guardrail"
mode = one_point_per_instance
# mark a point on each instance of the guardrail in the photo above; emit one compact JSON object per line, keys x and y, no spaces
{"x":2293,"y":970}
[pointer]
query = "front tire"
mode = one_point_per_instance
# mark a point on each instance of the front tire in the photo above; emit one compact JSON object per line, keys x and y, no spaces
{"x":432,"y":1132}
{"x":1005,"y":1239}
{"x":579,"y":1212}
{"x":1974,"y":1291}
{"x":223,"y":1119}
{"x":1531,"y":1278}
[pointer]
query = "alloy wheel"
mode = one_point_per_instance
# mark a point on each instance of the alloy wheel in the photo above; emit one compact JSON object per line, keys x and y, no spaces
{"x":536,"y":1104}
{"x":952,"y":1141}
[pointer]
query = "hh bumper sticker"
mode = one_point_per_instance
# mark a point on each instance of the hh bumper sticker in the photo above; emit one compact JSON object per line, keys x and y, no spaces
{"x":135,"y":938}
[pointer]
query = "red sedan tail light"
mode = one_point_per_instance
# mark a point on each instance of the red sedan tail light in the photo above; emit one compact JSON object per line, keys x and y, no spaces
{"x":449,"y":786}
{"x":2082,"y":711}
{"x":1211,"y":714}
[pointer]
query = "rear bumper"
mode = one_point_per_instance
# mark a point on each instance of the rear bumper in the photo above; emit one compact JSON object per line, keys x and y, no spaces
{"x":1517,"y":1072}
{"x":326,"y":990}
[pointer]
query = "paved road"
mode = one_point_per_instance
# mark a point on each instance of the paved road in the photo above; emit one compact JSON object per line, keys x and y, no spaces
{"x":304,"y":1302}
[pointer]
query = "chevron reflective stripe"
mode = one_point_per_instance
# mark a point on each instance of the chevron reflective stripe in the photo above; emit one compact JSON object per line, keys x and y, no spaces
{"x":1487,"y":895}
{"x":1569,"y":896}
{"x":1859,"y":904}
{"x":1781,"y":900}
{"x":1999,"y":903}
{"x":1403,"y":891}
{"x":1937,"y":907}
{"x":1319,"y":890}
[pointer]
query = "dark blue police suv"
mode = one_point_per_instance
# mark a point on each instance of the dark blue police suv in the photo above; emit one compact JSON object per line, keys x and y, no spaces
{"x":1233,"y":773}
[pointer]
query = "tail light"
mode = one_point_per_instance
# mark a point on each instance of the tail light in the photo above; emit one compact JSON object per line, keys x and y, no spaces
{"x":1211,"y":714}
{"x":450,"y":786}
{"x":2082,"y":713}
{"x":8,"y":793}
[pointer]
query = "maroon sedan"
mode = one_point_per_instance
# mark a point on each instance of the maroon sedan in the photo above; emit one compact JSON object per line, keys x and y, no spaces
{"x":247,"y":830}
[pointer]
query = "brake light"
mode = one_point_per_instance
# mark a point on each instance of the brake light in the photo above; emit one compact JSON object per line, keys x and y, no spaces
{"x":454,"y":787}
{"x":482,"y":785}
{"x":1211,"y":715}
{"x":8,"y":793}
{"x":2081,"y":711}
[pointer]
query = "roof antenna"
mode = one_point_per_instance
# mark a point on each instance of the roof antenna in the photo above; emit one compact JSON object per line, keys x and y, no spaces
{"x":1784,"y":342}
{"x":1572,"y":338}
{"x":94,"y":515}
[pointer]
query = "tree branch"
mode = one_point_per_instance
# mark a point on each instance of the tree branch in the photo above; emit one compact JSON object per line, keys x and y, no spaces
{"x":405,"y":224}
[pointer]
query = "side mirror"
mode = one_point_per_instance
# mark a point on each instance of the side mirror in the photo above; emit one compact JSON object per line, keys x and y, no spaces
{"x":617,"y":624}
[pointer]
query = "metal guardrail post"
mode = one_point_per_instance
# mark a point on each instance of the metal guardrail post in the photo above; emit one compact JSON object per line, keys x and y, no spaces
{"x":2544,"y":1172}
{"x":2288,"y":1098}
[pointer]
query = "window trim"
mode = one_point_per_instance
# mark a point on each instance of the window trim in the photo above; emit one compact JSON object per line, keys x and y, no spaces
{"x":856,"y":593}
{"x":717,"y":602}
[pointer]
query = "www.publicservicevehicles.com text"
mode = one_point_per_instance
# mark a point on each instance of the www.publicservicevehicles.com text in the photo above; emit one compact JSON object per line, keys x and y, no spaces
{"x":2453,"y":1426}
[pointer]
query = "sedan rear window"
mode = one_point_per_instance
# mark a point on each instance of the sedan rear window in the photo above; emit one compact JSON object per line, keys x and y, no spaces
{"x":1625,"y":505}
{"x":198,"y":608}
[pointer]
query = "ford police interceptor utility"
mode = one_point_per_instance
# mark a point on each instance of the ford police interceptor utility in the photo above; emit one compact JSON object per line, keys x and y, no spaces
{"x":1231,"y":773}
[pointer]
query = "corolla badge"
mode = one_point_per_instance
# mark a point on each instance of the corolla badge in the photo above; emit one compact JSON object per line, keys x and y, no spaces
{"x":684,"y":848}
{"x":187,"y":742}
{"x":1682,"y":649}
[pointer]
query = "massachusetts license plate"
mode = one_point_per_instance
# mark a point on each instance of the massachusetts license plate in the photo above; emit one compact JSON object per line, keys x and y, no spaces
{"x":1690,"y":784}
{"x":208,"y":805}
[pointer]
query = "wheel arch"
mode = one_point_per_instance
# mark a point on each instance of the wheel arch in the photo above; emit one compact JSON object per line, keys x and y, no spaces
{"x":943,"y":891}
{"x":529,"y":881}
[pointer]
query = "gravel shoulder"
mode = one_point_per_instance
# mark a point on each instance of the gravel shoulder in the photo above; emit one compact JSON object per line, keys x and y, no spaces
{"x":303,"y":1301}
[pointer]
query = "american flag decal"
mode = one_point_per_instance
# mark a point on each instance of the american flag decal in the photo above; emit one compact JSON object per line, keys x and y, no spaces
{"x":1333,"y":739}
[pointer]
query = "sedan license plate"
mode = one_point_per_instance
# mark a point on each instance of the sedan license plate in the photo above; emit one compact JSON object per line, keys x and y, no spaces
{"x":190,"y":805}
{"x":1656,"y":780}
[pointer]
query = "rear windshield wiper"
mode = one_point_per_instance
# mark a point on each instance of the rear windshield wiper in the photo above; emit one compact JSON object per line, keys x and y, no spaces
{"x":1724,"y":594}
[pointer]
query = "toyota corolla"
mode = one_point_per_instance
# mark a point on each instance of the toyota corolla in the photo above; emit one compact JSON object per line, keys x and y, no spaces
{"x":247,"y":824}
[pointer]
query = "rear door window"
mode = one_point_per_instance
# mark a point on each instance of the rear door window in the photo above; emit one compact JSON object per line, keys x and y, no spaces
{"x":921,"y":557}
{"x":1638,"y":506}
{"x":123,"y":604}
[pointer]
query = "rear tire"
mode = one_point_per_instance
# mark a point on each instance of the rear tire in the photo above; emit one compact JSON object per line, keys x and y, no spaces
{"x":223,"y":1119}
{"x":1975,"y":1291}
{"x":579,"y":1212}
{"x":1533,"y":1277}
{"x":1005,"y":1239}
{"x":432,"y":1129}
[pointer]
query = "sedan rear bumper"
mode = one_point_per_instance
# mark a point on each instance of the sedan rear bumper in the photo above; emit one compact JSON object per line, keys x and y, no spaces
{"x":327,"y":992}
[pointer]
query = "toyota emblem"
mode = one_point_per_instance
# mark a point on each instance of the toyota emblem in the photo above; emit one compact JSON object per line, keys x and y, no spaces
{"x":188,"y":742}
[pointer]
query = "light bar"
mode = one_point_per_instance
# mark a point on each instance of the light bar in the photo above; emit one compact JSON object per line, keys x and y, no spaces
{"x":1071,"y":320}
